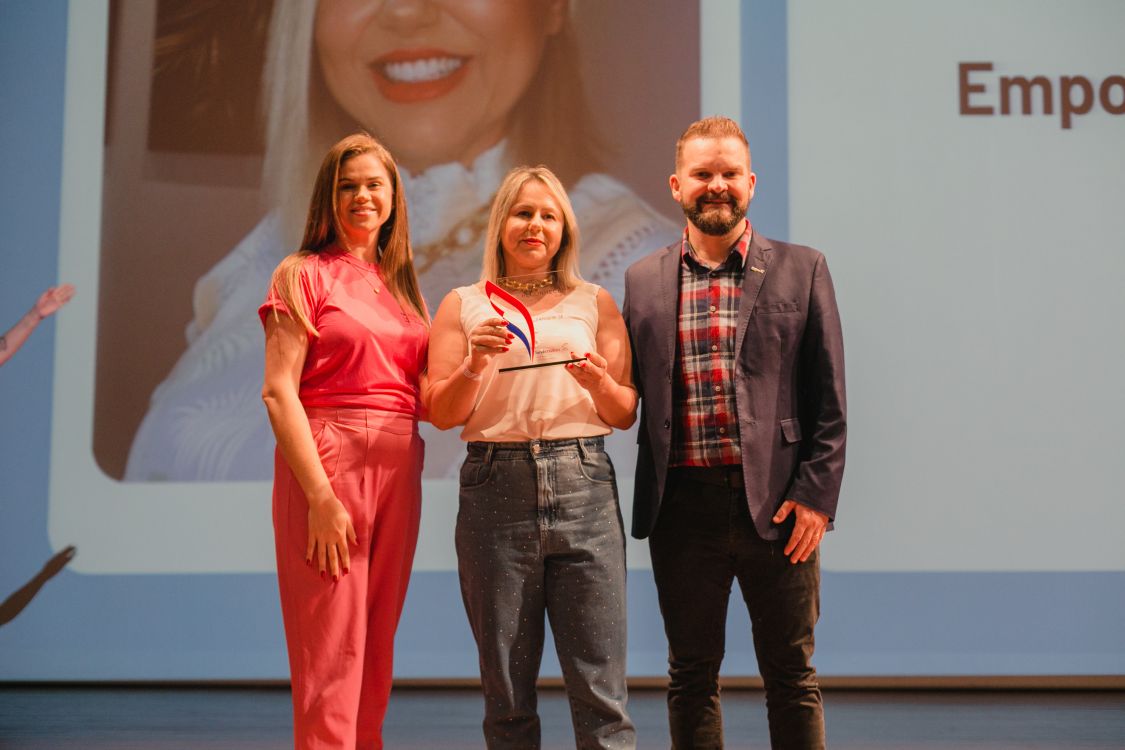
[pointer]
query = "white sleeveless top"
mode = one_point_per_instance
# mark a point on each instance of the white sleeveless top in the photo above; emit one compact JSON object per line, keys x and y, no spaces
{"x":543,"y":403}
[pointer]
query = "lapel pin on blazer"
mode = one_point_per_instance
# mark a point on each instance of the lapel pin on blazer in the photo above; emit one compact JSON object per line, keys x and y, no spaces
{"x":755,"y":269}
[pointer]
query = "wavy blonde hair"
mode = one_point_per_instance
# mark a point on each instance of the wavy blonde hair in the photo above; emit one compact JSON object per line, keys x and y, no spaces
{"x":565,"y":262}
{"x":322,"y":228}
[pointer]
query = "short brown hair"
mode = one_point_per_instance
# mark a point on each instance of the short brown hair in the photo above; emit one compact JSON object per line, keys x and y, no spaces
{"x":710,"y":127}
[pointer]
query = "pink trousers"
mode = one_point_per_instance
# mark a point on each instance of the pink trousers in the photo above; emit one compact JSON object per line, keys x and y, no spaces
{"x":341,"y":634}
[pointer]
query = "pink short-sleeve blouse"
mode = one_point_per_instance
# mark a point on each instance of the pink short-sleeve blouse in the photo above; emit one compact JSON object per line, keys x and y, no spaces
{"x":371,"y":350}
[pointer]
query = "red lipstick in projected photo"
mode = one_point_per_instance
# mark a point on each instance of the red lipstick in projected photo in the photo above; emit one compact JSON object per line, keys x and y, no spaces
{"x":405,"y":76}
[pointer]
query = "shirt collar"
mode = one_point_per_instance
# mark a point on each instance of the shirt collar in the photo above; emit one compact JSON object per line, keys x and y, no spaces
{"x":741,"y":246}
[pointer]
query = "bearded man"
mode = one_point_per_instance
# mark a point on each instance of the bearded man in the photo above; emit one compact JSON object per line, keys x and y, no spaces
{"x":739,"y":361}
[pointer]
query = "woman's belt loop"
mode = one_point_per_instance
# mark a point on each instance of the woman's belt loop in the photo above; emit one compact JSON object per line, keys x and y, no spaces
{"x":583,"y":451}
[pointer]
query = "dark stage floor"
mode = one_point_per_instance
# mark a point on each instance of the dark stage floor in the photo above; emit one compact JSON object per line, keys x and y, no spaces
{"x":253,"y":719}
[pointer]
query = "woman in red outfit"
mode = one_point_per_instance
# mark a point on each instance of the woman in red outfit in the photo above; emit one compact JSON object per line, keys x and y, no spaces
{"x":346,"y":333}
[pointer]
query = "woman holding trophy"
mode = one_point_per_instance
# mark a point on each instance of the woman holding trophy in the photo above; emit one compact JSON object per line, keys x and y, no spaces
{"x":534,"y":363}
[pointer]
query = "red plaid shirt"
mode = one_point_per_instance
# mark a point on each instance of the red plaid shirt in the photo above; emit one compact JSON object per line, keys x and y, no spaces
{"x":706,"y":431}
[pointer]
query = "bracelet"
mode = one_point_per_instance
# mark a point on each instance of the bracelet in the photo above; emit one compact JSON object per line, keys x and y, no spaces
{"x":467,"y":373}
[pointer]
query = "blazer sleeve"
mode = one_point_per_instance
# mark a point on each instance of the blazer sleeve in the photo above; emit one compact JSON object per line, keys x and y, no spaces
{"x":627,"y":314}
{"x":823,"y":404}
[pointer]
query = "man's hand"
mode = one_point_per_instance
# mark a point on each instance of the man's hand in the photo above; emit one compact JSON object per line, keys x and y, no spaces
{"x":807,"y":531}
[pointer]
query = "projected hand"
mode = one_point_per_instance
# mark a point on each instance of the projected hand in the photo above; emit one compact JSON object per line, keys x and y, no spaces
{"x":15,"y":603}
{"x":808,"y":529}
{"x":58,"y":561}
{"x":54,"y":298}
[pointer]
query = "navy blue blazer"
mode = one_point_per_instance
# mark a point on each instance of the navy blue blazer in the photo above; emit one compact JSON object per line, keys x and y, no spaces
{"x":789,"y":380}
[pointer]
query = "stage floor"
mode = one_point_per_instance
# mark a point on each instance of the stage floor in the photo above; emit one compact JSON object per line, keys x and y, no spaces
{"x":57,"y":718}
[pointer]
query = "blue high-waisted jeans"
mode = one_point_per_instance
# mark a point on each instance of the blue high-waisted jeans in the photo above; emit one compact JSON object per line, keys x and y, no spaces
{"x":539,"y":531}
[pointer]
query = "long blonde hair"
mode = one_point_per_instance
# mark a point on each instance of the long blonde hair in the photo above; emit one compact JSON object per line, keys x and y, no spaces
{"x":322,"y":228}
{"x":565,"y":262}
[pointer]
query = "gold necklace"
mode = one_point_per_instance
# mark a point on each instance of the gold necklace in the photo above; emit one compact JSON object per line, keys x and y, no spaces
{"x":347,"y":258}
{"x":464,"y":236}
{"x":528,"y":287}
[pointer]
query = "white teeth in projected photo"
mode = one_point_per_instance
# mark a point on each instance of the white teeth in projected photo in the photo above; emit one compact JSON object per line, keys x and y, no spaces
{"x":421,"y":71}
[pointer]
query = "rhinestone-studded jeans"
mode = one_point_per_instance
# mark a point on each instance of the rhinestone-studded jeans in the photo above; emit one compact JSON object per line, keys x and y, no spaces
{"x":539,"y":532}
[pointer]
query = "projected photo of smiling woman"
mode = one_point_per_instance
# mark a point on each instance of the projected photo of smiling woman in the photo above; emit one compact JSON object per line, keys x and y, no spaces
{"x":460,"y":91}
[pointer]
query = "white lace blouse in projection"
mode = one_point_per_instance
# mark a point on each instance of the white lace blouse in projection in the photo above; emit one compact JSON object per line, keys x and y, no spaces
{"x":206,"y":420}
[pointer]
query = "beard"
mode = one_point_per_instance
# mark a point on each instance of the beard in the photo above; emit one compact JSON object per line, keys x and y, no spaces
{"x":713,"y":220}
